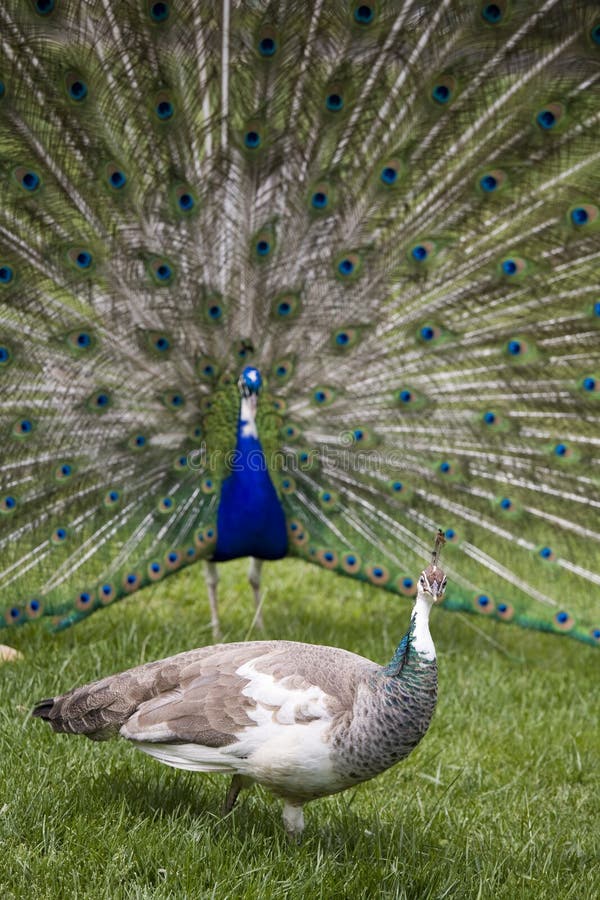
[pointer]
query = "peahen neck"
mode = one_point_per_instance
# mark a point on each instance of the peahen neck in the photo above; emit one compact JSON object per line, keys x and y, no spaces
{"x":416,"y":647}
{"x":250,"y":519}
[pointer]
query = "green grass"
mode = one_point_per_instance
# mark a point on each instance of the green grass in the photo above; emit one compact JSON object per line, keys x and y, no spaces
{"x":499,"y":801}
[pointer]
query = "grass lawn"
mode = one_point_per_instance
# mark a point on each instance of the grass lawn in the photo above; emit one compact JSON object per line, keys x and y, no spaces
{"x":500,"y":800}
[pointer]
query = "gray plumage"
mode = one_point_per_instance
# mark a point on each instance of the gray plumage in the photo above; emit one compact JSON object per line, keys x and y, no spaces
{"x":301,"y":719}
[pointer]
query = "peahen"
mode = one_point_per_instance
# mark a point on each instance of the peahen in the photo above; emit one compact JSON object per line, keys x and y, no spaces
{"x":303,"y":720}
{"x":309,"y":279}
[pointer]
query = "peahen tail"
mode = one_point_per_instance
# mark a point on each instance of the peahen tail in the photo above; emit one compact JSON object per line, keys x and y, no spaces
{"x":389,"y":208}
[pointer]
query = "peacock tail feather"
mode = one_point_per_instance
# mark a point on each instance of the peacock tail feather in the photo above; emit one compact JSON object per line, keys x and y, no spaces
{"x":389,"y":208}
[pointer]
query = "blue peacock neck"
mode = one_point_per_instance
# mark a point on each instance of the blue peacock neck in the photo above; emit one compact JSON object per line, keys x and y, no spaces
{"x":250,"y":518}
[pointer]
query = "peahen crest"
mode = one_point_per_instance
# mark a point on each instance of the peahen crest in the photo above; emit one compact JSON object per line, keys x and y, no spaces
{"x":390,"y":210}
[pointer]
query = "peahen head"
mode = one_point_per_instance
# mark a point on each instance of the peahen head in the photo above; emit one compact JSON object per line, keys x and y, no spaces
{"x":432,"y":584}
{"x":250,"y":381}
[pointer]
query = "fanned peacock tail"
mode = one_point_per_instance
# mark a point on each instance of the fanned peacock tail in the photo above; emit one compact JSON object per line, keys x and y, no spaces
{"x":389,"y":208}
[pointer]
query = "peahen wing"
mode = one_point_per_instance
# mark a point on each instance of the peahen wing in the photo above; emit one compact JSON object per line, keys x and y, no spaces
{"x":390,"y":208}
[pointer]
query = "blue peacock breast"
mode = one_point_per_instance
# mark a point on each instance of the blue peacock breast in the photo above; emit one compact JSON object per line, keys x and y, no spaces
{"x":250,"y":518}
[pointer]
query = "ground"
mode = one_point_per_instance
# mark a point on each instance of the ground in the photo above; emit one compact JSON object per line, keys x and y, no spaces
{"x":499,"y":801}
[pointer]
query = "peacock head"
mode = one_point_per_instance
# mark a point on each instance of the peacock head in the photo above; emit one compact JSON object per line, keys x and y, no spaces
{"x":250,"y":382}
{"x":432,"y":584}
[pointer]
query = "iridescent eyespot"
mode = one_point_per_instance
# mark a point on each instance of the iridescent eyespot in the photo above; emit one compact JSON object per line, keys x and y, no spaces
{"x":27,"y":178}
{"x":5,"y":355}
{"x":364,"y":13}
{"x":76,"y":87}
{"x":164,"y":109}
{"x":8,"y":504}
{"x":334,"y":102}
{"x":117,"y":179}
{"x":159,"y":12}
{"x":6,"y":274}
{"x":44,"y":7}
{"x":492,"y":13}
{"x":252,"y":139}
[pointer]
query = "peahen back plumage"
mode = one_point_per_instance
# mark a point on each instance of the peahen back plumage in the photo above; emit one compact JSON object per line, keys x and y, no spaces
{"x":387,"y":211}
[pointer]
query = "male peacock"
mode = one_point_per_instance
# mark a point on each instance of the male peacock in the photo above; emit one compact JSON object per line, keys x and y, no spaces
{"x":303,"y":720}
{"x":301,"y":278}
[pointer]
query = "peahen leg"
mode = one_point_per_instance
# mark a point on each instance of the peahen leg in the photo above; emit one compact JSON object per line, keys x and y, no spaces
{"x":212,"y":580}
{"x":238,"y":782}
{"x":254,"y":571}
{"x":293,"y":821}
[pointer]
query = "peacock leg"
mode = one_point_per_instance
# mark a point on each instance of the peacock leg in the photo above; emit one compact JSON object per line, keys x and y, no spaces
{"x":212,"y":579}
{"x":293,"y":821}
{"x":254,"y":579}
{"x":237,"y":783}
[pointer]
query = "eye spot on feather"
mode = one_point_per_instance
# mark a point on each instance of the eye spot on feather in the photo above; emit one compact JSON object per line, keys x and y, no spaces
{"x":5,"y":356}
{"x":351,"y":563}
{"x":589,"y":384}
{"x":138,"y":442}
{"x":595,"y":34}
{"x":319,"y":200}
{"x":377,"y":574}
{"x":44,"y":7}
{"x":117,"y":179}
{"x":186,"y":202}
{"x":445,"y":467}
{"x":564,"y":621}
{"x":548,"y":119}
{"x":334,"y":102}
{"x":166,"y":505}
{"x":2,"y":89}
{"x":28,"y":179}
{"x":13,"y":615}
{"x":155,"y":571}
{"x":77,"y":89}
{"x":428,"y":333}
{"x":406,"y":586}
{"x":112,"y":498}
{"x":84,"y":600}
{"x":34,"y":608}
{"x":106,"y":593}
{"x":159,"y":12}
{"x":489,"y":418}
{"x":514,"y":348}
{"x":131,"y":582}
{"x":506,"y":503}
{"x":595,"y":632}
{"x":59,"y":535}
{"x":63,"y":472}
{"x":6,"y":274}
{"x":267,"y":47}
{"x":263,"y":247}
{"x":561,"y":449}
{"x":488,"y":183}
{"x":484,"y":604}
{"x":450,"y":535}
{"x":83,"y":340}
{"x":8,"y":504}
{"x":389,"y":175}
{"x":252,"y":139}
{"x":83,"y":260}
{"x":173,"y":559}
{"x":364,"y":14}
{"x":327,"y":558}
{"x":547,"y":554}
{"x":164,"y":110}
{"x":420,"y":252}
{"x":492,"y":13}
{"x":23,"y":427}
{"x":505,"y":611}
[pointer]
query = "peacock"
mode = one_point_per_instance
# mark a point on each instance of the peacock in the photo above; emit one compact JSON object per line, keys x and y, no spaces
{"x":302,"y":279}
{"x":303,"y":720}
